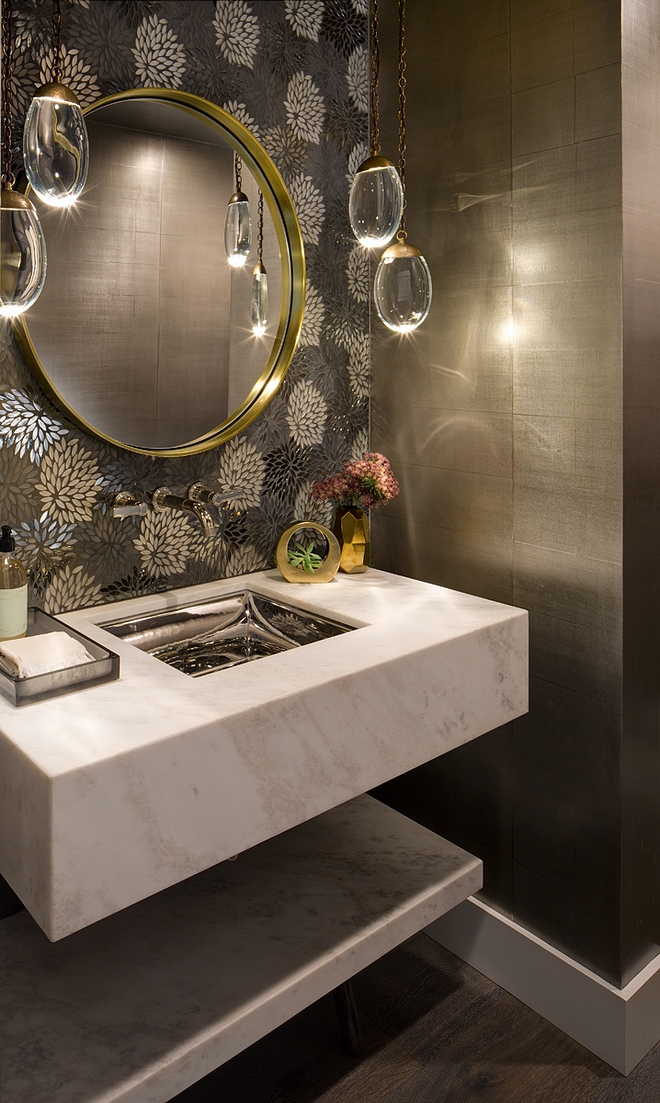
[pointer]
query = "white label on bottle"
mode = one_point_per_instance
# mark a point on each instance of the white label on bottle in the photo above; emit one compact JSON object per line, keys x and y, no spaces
{"x":13,"y":612}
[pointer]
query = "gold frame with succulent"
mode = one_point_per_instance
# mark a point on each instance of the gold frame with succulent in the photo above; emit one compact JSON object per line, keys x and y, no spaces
{"x":303,"y":564}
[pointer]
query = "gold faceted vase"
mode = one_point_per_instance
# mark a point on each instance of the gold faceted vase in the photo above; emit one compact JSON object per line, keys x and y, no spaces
{"x":351,"y":527}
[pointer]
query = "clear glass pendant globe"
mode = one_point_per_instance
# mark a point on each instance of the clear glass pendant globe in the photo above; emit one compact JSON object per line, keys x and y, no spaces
{"x":402,"y":288}
{"x":259,"y":300}
{"x":375,"y":204}
{"x":238,"y":231}
{"x":23,"y":261}
{"x":55,"y":150}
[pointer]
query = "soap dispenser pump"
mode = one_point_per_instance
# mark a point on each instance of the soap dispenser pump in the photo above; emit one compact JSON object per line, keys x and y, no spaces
{"x":13,"y":590}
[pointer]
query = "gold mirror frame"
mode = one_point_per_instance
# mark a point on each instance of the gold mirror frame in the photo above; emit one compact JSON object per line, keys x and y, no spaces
{"x":292,"y":257}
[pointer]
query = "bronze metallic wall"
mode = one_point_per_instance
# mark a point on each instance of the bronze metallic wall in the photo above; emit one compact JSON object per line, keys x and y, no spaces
{"x":641,"y":436}
{"x":503,"y":420}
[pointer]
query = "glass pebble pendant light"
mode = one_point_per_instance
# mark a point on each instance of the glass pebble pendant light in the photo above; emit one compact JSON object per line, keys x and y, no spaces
{"x":22,"y":245}
{"x":238,"y":223}
{"x":260,"y":282}
{"x":375,"y":202}
{"x":402,"y":287}
{"x":55,"y":141}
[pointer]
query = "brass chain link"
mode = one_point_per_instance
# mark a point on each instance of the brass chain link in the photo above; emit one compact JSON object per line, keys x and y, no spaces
{"x":374,"y":55}
{"x":238,"y":169}
{"x":57,"y":40}
{"x":260,"y":245}
{"x":7,"y":78}
{"x":402,"y":235}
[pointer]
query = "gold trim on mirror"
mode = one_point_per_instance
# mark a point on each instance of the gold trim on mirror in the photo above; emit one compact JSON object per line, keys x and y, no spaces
{"x":292,"y":257}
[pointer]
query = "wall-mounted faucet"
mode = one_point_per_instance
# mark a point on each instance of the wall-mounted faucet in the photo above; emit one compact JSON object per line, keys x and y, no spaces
{"x":163,"y":500}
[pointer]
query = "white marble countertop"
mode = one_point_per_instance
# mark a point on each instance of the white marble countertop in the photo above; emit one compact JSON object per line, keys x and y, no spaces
{"x":115,"y":792}
{"x":143,"y":1004}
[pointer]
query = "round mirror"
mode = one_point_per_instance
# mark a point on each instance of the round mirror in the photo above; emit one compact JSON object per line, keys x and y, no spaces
{"x":144,"y":333}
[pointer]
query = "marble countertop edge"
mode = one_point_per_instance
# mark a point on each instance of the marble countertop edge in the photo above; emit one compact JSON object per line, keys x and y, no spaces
{"x":93,"y":725}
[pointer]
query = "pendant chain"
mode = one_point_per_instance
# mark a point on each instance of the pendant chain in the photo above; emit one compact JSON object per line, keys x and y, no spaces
{"x":7,"y":77}
{"x":374,"y":55}
{"x":238,"y":168}
{"x":57,"y":40}
{"x":402,"y":235}
{"x":260,"y":208}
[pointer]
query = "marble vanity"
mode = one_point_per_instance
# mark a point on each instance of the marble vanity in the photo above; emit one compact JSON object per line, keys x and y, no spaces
{"x":118,"y":804}
{"x":116,"y":792}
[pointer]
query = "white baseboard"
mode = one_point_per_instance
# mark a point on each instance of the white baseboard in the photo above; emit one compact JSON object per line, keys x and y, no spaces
{"x":620,"y":1025}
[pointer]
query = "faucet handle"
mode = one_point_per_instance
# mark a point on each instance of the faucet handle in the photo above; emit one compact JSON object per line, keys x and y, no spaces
{"x":198,"y":492}
{"x":159,"y":499}
{"x":125,"y":504}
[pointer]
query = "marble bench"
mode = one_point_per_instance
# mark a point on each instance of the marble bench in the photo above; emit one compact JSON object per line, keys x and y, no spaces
{"x":144,"y":1003}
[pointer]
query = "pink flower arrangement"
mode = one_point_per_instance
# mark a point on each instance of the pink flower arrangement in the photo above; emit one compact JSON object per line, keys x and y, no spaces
{"x":360,"y":484}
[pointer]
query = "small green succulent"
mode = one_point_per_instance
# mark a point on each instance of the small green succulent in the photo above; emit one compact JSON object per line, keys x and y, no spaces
{"x":305,"y":558}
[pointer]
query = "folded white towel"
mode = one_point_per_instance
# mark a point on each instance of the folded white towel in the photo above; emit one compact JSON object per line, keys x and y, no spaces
{"x":41,"y":654}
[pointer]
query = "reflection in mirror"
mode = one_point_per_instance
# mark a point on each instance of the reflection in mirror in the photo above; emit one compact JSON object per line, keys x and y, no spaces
{"x":143,"y":327}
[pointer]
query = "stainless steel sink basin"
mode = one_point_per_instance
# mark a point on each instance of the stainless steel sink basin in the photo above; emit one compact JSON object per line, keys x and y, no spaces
{"x":224,"y":632}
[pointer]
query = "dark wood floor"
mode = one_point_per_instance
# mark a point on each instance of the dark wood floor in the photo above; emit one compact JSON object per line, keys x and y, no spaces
{"x":436,"y":1031}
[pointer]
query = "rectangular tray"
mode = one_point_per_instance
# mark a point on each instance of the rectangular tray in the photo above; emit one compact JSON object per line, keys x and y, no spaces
{"x":104,"y":668}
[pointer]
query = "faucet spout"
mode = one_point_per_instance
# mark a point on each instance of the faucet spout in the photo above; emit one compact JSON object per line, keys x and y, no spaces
{"x":202,"y":514}
{"x":162,"y":500}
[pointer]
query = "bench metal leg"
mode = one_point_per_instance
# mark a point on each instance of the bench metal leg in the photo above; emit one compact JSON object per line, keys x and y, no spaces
{"x":349,"y":1023}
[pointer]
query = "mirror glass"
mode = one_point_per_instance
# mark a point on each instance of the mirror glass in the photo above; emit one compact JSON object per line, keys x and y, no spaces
{"x":143,"y":331}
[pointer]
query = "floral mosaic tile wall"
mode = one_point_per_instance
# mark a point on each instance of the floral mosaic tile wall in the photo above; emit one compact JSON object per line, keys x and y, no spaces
{"x":295,"y":72}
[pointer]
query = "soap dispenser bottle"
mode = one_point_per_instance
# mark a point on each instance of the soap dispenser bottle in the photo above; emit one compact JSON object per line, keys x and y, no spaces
{"x":13,"y":590}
